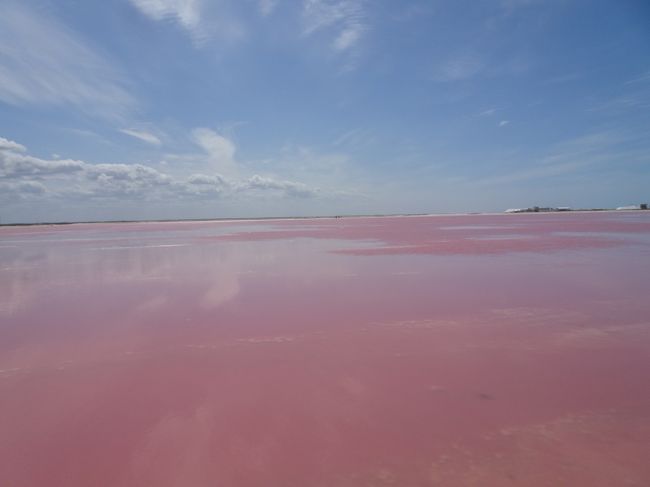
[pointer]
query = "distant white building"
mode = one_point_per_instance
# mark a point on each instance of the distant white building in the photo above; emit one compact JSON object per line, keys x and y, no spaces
{"x":537,"y":209}
{"x":629,"y":207}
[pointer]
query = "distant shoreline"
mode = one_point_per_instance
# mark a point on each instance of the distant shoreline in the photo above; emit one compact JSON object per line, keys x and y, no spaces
{"x":326,"y":217}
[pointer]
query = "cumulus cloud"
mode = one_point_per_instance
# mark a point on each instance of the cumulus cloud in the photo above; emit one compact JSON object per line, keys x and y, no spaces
{"x":17,"y":164}
{"x":202,"y":185}
{"x":203,"y":179}
{"x":142,"y":135}
{"x":346,"y":18}
{"x":21,"y":189}
{"x":23,"y":174}
{"x":126,"y":178}
{"x":290,"y":188}
{"x":10,"y":145}
{"x":42,"y":62}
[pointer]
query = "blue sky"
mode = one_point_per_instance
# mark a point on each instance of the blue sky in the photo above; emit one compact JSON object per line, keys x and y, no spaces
{"x":137,"y":109}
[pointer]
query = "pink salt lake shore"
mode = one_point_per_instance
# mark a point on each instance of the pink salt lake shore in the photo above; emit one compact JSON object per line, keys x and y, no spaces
{"x":485,"y":350}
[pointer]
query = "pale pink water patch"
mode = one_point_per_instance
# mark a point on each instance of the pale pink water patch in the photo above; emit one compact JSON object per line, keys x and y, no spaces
{"x":421,"y":351}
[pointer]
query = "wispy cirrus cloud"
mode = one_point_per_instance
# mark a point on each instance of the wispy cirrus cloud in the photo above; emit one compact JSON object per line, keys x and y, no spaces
{"x":459,"y":68}
{"x":348,"y":38}
{"x":357,"y":137}
{"x":266,"y":7}
{"x":634,"y":94}
{"x":142,"y":135}
{"x":536,"y":172}
{"x":197,"y":18}
{"x":487,"y":112}
{"x":187,"y":13}
{"x":44,"y":63}
{"x":510,"y":6}
{"x":346,"y":19}
{"x":642,"y":78}
{"x":571,"y":156}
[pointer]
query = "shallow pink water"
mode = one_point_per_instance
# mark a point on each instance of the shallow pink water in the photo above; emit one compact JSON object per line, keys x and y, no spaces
{"x":414,"y":351}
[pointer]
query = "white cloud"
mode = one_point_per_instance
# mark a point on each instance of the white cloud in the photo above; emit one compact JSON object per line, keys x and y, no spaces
{"x":319,"y":14}
{"x":125,"y":172}
{"x":536,"y":172}
{"x":488,"y":112}
{"x":346,"y":18}
{"x":205,"y":185}
{"x":25,"y":175}
{"x":15,"y":163}
{"x":142,"y":135}
{"x":509,"y":6}
{"x":643,"y":78}
{"x":202,"y":179}
{"x":195,"y":17}
{"x":357,"y":137}
{"x":185,"y":12}
{"x":21,"y":189}
{"x":289,"y":188}
{"x":10,"y":145}
{"x":348,"y":38}
{"x":43,"y":62}
{"x":126,"y":179}
{"x":266,"y":7}
{"x":220,"y":150}
{"x":503,"y":123}
{"x":635,"y":96}
{"x":463,"y":67}
{"x":413,"y":11}
{"x":310,"y":165}
{"x":567,"y":157}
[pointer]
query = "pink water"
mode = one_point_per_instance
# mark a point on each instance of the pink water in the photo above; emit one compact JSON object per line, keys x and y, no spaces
{"x":414,"y":351}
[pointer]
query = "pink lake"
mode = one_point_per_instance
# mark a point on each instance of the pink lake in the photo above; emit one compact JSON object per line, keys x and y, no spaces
{"x":476,"y":350}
